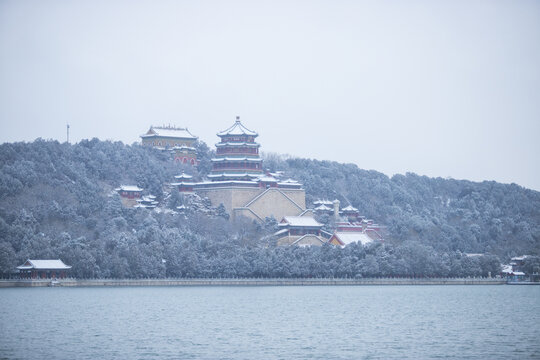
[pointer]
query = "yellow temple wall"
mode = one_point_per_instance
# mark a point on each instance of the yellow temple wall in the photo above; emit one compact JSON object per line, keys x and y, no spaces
{"x":256,"y":203}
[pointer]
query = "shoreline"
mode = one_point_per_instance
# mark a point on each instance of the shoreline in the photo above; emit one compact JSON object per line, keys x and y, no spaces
{"x":248,"y":282}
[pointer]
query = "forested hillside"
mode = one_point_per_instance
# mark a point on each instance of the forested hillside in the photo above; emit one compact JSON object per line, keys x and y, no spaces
{"x":58,"y":201}
{"x":447,"y":214}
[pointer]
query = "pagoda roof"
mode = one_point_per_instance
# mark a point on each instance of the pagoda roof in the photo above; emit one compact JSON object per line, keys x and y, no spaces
{"x":183,"y":176}
{"x":349,"y":208}
{"x":129,"y":188}
{"x":44,"y":265}
{"x":236,"y":144}
{"x":233,"y":175}
{"x":237,"y":129}
{"x":169,"y":131}
{"x":323,"y":208}
{"x":323,"y":202}
{"x":267,"y":178}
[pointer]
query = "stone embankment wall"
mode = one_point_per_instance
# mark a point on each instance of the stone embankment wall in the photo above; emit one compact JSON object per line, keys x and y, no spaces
{"x":251,"y":282}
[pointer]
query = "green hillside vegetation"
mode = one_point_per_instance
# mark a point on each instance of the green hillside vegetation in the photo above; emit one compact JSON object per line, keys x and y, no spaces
{"x":58,"y":201}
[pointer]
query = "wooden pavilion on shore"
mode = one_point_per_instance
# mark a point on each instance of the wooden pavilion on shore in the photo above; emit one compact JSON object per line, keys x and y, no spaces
{"x":43,"y":269}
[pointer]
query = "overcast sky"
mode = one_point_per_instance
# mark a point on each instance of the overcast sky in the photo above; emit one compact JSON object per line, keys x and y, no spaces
{"x":439,"y":88}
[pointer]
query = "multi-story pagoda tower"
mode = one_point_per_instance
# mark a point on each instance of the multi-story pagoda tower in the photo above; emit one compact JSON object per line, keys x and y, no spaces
{"x":237,"y":155}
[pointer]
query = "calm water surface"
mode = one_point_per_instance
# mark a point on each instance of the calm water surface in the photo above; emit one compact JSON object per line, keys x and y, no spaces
{"x":363,"y":322}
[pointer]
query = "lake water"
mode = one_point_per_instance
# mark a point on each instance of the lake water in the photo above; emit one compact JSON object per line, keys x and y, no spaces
{"x":362,"y":322}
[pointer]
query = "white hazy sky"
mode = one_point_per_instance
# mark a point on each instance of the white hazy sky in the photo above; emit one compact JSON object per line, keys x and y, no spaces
{"x":440,"y":88}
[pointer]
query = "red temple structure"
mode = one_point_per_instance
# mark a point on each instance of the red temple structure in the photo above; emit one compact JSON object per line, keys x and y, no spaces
{"x":129,"y":194}
{"x":179,"y":141}
{"x":237,"y":155}
{"x":237,"y":180}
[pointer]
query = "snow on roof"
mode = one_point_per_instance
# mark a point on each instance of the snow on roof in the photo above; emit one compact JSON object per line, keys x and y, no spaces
{"x":191,"y":148}
{"x":172,"y":132}
{"x":303,"y":221}
{"x":148,"y":199}
{"x":520,"y":258}
{"x":349,"y":208}
{"x":277,"y":174}
{"x":519,"y":273}
{"x":256,"y":159}
{"x":323,"y":208}
{"x":225,"y":182}
{"x":44,"y":265}
{"x":183,"y":176}
{"x":353,"y":237}
{"x":183,"y":183}
{"x":222,"y":174}
{"x":290,"y":181}
{"x":250,"y":144}
{"x":129,"y":188}
{"x":266,"y":179}
{"x":322,"y":202}
{"x":506,"y":269}
{"x":290,"y":185}
{"x":237,"y":129}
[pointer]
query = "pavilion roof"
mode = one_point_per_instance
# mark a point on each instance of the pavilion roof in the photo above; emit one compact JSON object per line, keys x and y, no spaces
{"x":237,"y":129}
{"x":183,"y":176}
{"x":267,"y":178}
{"x":44,"y":265}
{"x":322,"y":202}
{"x":323,"y":208}
{"x":169,"y":131}
{"x":129,"y":188}
{"x":245,"y":158}
{"x":237,"y":144}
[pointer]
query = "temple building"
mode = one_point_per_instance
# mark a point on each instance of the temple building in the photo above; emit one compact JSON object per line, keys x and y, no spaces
{"x":237,"y":155}
{"x":364,"y":232}
{"x":147,"y":202}
{"x":237,"y":180}
{"x":43,"y":269}
{"x":350,"y":213}
{"x":129,"y":194}
{"x":300,"y":231}
{"x":184,"y":182}
{"x":179,"y":141}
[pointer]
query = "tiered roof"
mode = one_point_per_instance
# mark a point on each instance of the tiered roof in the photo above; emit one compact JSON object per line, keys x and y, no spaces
{"x":183,"y":177}
{"x":349,"y":208}
{"x":237,"y":157}
{"x":147,"y":202}
{"x":237,"y":129}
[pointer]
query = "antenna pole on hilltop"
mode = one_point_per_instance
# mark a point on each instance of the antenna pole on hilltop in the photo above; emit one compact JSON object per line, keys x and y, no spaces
{"x":68,"y":133}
